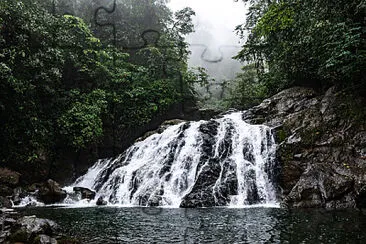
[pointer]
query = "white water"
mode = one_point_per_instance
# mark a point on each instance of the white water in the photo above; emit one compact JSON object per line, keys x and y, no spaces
{"x":164,"y":168}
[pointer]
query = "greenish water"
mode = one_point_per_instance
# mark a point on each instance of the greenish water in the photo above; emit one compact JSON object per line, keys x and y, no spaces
{"x":209,"y":225}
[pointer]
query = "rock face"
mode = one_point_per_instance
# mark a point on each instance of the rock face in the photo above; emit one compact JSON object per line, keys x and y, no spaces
{"x":201,"y":194}
{"x":322,"y":146}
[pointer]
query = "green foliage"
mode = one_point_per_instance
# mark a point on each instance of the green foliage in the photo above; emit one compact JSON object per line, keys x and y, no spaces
{"x":81,"y":123}
{"x":312,"y":43}
{"x":247,"y":90}
{"x":279,"y":17}
{"x":60,"y":84}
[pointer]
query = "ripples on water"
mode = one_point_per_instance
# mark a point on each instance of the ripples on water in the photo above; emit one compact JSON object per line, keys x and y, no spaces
{"x":209,"y":225}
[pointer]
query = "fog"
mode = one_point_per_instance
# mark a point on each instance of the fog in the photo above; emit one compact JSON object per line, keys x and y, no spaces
{"x":214,"y":22}
{"x":212,"y":45}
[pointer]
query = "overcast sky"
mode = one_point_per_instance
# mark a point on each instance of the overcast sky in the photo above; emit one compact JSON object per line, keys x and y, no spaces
{"x":220,"y":13}
{"x":215,"y":22}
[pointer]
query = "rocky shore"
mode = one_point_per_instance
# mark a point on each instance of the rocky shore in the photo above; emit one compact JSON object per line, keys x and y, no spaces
{"x":16,"y":228}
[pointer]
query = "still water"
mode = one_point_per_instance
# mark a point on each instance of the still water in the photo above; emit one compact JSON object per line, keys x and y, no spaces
{"x":208,"y":225}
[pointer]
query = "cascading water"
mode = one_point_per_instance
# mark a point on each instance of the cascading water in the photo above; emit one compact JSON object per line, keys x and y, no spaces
{"x":220,"y":162}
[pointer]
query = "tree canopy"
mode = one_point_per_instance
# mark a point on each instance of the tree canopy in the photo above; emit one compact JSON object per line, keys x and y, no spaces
{"x":61,"y":84}
{"x":313,"y":43}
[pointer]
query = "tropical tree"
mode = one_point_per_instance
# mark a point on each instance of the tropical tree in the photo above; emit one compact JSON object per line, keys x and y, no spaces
{"x":315,"y":43}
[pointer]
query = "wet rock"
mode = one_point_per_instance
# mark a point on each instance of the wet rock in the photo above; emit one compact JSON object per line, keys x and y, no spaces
{"x":101,"y":202}
{"x":85,"y":192}
{"x":45,"y":239}
{"x":9,"y":221}
{"x":50,"y":192}
{"x":6,"y":224}
{"x":216,"y":181}
{"x":18,"y":194}
{"x":321,"y":141}
{"x":154,"y":201}
{"x":252,"y":192}
{"x":191,"y":203}
{"x":30,"y":229}
{"x":274,"y":110}
{"x":33,"y":225}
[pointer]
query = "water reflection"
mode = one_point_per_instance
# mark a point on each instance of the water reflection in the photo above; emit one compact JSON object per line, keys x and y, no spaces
{"x":211,"y":225}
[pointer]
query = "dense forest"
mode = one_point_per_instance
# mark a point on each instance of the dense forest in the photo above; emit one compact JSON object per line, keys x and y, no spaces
{"x":82,"y":80}
{"x":311,"y":43}
{"x":66,"y":82}
{"x":71,"y":76}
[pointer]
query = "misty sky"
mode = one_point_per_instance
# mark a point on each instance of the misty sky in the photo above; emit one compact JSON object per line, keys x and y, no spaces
{"x":216,"y":15}
{"x":214,"y":24}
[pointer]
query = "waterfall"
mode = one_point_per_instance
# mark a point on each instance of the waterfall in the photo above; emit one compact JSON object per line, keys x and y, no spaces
{"x":220,"y":162}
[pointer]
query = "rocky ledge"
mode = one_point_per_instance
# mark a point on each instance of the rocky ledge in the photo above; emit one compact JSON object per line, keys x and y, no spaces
{"x":30,"y":229}
{"x":321,"y":146}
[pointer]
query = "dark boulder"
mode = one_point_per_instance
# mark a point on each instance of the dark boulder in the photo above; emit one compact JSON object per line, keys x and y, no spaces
{"x":85,"y":192}
{"x":50,"y":192}
{"x":101,"y":202}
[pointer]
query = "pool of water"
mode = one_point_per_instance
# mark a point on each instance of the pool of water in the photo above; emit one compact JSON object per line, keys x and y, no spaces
{"x":207,"y":225}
